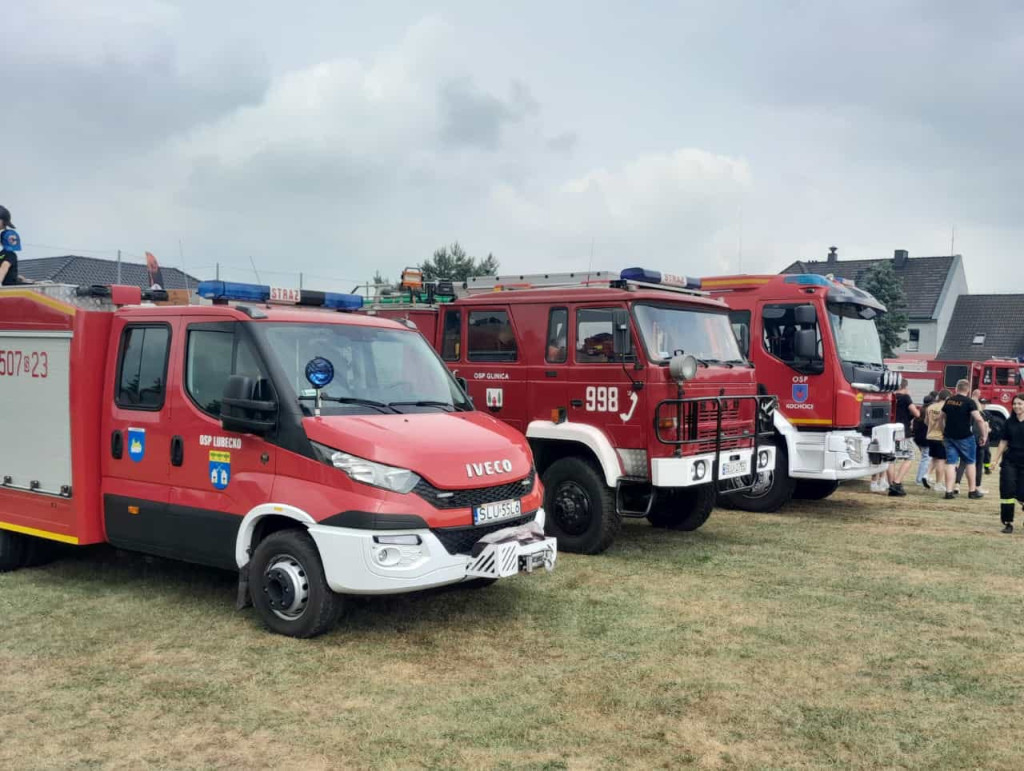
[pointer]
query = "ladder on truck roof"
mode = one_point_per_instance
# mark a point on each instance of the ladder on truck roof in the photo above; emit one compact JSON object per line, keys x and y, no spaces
{"x":594,"y":279}
{"x":95,"y":297}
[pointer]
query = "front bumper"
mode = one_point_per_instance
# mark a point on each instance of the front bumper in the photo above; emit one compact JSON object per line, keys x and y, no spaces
{"x":355,"y":563}
{"x":693,"y":470}
{"x":840,"y":455}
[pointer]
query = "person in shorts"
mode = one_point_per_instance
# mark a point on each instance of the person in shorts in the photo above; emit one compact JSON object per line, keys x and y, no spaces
{"x":936,"y":445}
{"x":959,"y":412}
{"x":904,"y":413}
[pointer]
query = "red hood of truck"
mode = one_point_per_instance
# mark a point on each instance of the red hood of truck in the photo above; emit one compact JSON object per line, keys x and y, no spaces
{"x":460,"y":450}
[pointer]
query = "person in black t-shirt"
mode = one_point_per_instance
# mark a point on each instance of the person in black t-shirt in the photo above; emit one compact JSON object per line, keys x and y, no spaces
{"x":10,"y":245}
{"x":1011,"y":472}
{"x":905,"y":411}
{"x":958,"y":413}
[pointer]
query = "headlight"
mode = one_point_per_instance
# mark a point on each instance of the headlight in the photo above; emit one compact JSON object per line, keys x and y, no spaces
{"x":399,"y":480}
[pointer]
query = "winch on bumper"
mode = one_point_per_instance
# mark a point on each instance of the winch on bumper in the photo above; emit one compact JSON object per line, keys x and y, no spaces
{"x":698,"y":469}
{"x":390,"y":561}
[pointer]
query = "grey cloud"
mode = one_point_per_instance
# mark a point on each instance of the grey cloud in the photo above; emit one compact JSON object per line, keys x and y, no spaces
{"x":472,"y":118}
{"x":563,"y":143}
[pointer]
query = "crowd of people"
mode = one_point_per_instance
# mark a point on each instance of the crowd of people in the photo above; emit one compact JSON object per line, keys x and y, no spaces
{"x":956,"y":441}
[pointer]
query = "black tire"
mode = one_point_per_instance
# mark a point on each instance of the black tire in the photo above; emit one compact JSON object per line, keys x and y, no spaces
{"x":814,"y":489}
{"x":772,"y":494}
{"x":13,"y":547}
{"x":684,"y":508}
{"x":288,"y":587}
{"x":580,"y":508}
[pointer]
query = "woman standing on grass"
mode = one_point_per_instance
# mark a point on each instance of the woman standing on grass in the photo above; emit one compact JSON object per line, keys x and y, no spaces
{"x":1011,"y":472}
{"x":936,"y":446}
{"x":919,"y":429}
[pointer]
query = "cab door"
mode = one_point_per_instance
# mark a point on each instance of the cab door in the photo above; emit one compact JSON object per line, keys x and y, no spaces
{"x":137,"y":440}
{"x":217,"y":476}
{"x":549,"y":365}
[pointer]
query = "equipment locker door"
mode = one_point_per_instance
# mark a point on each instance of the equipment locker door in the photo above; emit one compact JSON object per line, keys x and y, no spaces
{"x":217,"y":476}
{"x":136,"y":444}
{"x":600,"y":394}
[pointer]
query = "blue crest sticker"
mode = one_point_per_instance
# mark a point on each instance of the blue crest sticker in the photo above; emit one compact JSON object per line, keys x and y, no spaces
{"x":10,"y":241}
{"x":136,"y":444}
{"x":800,"y":392}
{"x":220,"y":469}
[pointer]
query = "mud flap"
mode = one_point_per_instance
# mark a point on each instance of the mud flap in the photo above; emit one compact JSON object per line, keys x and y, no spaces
{"x":243,"y":600}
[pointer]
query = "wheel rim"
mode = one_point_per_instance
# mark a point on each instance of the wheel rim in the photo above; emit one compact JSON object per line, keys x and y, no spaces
{"x":763,"y":482}
{"x":286,"y":587}
{"x":571,"y":508}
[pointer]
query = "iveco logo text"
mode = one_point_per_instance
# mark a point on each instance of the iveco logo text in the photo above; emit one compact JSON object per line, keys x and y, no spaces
{"x":490,"y":467}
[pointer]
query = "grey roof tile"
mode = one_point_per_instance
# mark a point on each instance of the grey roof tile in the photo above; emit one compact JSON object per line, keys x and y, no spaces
{"x":72,"y":269}
{"x":923,"y":278}
{"x":997,"y":316}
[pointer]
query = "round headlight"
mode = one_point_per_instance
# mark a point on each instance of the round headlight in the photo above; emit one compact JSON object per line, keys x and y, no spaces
{"x":682,"y":367}
{"x":700,"y":469}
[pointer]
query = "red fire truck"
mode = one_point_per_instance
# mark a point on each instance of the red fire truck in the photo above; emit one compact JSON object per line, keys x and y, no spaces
{"x":318,"y":453}
{"x":630,"y":388}
{"x":814,"y":343}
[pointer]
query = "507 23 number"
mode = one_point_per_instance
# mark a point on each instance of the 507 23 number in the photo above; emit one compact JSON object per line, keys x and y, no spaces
{"x":14,"y":363}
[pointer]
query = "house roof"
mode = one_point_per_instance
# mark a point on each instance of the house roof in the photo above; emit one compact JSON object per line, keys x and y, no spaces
{"x":996,"y":316}
{"x":923,"y":278}
{"x":72,"y":269}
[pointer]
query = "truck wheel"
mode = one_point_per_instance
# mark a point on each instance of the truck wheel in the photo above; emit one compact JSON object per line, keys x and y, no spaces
{"x":685,"y":508}
{"x":13,"y":547}
{"x":580,"y":507}
{"x":771,"y":490}
{"x":814,"y":489}
{"x":288,"y":587}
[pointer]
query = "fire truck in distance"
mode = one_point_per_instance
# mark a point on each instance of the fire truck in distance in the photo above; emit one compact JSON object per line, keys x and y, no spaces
{"x":317,"y":453}
{"x":813,"y":342}
{"x":630,"y":388}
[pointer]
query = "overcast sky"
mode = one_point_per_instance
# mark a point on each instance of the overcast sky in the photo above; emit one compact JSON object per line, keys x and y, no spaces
{"x":336,"y":138}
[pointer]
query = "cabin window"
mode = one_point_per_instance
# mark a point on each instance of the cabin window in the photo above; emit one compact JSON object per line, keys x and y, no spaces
{"x":490,"y":336}
{"x":142,"y":369}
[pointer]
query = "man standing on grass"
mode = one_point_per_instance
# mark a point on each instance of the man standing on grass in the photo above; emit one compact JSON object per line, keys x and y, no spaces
{"x":958,"y":412}
{"x":905,"y":413}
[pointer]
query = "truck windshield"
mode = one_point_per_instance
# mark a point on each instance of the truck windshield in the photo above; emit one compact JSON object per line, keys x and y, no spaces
{"x":707,"y":335}
{"x":853,"y":327}
{"x":376,"y":370}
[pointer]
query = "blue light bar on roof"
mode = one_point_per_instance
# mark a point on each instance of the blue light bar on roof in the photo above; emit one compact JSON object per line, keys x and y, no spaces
{"x":343,"y":302}
{"x":656,"y":277}
{"x":808,"y":279}
{"x":231,"y":290}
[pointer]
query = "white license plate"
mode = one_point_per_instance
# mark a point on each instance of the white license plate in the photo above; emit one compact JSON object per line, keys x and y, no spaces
{"x":496,"y":512}
{"x":734,"y":467}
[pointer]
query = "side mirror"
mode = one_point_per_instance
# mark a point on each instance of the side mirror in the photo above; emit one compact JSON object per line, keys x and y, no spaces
{"x":243,"y":410}
{"x":805,"y":315}
{"x":464,"y":385}
{"x":805,"y":344}
{"x":621,"y":342}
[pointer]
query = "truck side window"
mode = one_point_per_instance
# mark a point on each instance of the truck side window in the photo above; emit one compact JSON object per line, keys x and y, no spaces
{"x":214,"y":353}
{"x":594,"y":336}
{"x":740,"y":321}
{"x":1004,"y":376}
{"x":490,"y":336}
{"x":953,"y":373}
{"x":142,"y":372}
{"x":451,"y":339}
{"x":780,"y":330}
{"x":557,"y":349}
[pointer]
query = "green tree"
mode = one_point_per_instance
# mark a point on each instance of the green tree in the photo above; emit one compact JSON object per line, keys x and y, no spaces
{"x":881,"y":281}
{"x":453,"y":262}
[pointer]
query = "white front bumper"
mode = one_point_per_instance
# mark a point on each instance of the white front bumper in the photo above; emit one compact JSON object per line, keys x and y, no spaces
{"x":839,"y":455}
{"x":353,"y":559}
{"x":695,"y":470}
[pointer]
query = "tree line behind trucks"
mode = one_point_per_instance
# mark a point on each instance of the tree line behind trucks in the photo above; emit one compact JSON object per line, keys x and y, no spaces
{"x":322,"y":454}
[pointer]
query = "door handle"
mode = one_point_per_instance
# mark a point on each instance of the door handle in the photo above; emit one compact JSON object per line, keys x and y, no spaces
{"x":177,"y":451}
{"x":117,"y":445}
{"x":551,"y":373}
{"x":576,"y":402}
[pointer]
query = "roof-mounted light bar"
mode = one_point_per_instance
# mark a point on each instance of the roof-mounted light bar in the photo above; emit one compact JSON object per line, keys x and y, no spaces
{"x":656,"y":277}
{"x":224,"y":291}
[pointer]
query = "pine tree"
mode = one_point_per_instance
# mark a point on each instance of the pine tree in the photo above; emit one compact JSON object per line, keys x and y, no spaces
{"x":881,"y":281}
{"x":453,"y":262}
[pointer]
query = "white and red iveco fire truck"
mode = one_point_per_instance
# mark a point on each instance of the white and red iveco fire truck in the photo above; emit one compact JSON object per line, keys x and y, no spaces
{"x":319,"y":453}
{"x":630,"y":388}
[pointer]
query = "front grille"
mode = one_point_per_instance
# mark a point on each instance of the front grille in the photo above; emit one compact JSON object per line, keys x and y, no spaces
{"x":460,"y":540}
{"x":461,"y":499}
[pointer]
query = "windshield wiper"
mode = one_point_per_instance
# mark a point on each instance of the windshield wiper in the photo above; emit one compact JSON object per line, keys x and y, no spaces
{"x":352,"y":400}
{"x":447,"y":406}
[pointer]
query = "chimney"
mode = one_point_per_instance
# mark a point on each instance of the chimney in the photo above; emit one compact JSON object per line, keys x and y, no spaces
{"x":832,"y":256}
{"x":899,"y":258}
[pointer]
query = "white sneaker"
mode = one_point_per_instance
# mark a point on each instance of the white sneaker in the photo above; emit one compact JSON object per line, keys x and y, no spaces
{"x":940,"y":489}
{"x":982,"y":490}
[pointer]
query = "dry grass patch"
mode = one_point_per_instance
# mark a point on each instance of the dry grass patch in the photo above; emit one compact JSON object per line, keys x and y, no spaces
{"x":861,"y":631}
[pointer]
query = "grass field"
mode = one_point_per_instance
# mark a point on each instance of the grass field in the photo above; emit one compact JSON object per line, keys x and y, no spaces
{"x":862,"y":631}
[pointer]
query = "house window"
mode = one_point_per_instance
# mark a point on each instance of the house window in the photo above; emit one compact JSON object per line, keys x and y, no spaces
{"x":913,"y":340}
{"x":979,"y":339}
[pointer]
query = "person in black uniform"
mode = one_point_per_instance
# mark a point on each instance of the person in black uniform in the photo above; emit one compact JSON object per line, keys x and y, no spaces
{"x":10,"y":245}
{"x":1011,"y":472}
